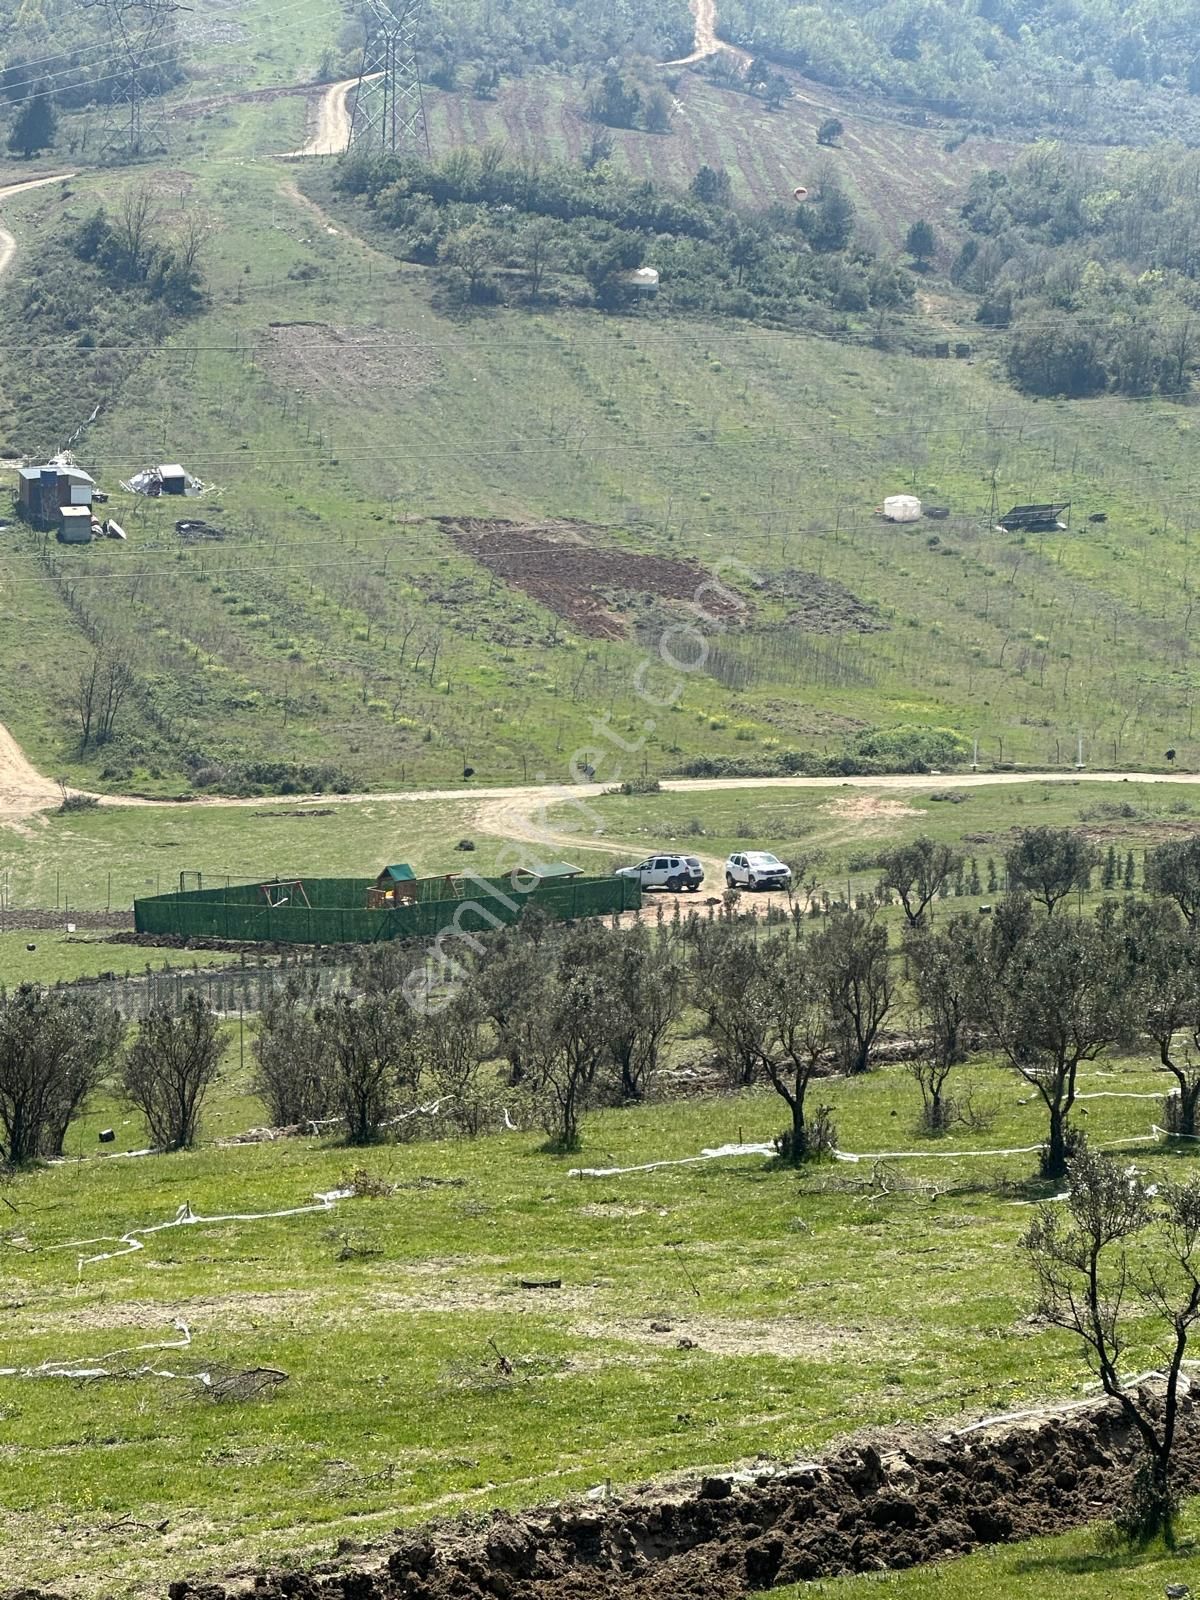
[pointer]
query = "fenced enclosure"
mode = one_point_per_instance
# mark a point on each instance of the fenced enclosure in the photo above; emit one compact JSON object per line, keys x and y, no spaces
{"x":329,"y":911}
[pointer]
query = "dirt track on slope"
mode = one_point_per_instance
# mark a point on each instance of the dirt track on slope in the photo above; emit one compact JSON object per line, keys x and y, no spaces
{"x":332,"y":132}
{"x":893,"y":1500}
{"x":706,"y":43}
{"x":8,"y":245}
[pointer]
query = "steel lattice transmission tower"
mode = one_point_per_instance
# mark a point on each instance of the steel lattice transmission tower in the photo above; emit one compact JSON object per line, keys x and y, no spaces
{"x":387,"y":109}
{"x":141,"y":34}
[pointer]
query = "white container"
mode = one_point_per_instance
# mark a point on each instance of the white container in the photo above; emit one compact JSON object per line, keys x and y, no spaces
{"x":902,"y":508}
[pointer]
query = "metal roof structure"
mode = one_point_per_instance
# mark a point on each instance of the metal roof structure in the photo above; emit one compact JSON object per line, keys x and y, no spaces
{"x":30,"y":474}
{"x":553,"y":869}
{"x":1034,"y":516}
{"x":400,"y":873}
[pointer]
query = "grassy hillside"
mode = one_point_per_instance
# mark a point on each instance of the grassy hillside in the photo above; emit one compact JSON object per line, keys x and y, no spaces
{"x":282,"y":637}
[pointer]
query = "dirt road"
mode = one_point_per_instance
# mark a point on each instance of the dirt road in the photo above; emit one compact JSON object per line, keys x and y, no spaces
{"x":332,"y":132}
{"x":706,"y":42}
{"x":8,"y":245}
{"x":519,"y":812}
{"x":23,"y":790}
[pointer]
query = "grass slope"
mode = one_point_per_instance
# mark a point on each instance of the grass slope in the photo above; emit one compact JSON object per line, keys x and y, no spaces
{"x":814,"y":1309}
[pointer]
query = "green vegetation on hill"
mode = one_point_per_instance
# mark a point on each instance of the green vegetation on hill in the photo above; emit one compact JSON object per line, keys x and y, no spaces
{"x":1105,"y":68}
{"x":503,"y":230}
{"x":515,"y":35}
{"x":1092,"y":265}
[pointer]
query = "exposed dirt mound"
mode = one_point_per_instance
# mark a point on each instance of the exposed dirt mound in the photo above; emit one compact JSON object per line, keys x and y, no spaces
{"x":823,"y":605}
{"x":592,"y":586}
{"x":316,"y":357}
{"x":892,"y":1502}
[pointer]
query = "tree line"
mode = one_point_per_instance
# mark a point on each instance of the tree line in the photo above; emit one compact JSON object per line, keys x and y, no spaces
{"x":551,"y":1020}
{"x":1092,"y":265}
{"x":500,"y":230}
{"x":1113,"y":70}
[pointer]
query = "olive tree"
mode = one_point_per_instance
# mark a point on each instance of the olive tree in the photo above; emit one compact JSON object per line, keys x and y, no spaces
{"x":793,"y":1033}
{"x":647,"y":979}
{"x":941,"y":979}
{"x":290,"y":1075}
{"x":918,"y":871}
{"x":1118,"y":1266}
{"x":852,"y":963}
{"x":372,"y":1050}
{"x":1173,"y":871}
{"x":1049,"y":863}
{"x":567,"y":1043}
{"x":55,"y":1047}
{"x":168,"y":1068}
{"x":1163,"y":956}
{"x":1053,"y":994}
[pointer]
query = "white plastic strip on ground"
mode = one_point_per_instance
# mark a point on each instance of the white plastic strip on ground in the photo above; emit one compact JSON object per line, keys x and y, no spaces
{"x":849,"y":1156}
{"x":81,"y":1367}
{"x":683,"y":1161}
{"x":1118,"y":1094}
{"x":185,"y":1217}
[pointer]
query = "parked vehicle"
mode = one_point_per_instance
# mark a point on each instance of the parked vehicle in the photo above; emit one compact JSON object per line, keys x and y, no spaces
{"x":757,"y":869}
{"x":666,"y":872}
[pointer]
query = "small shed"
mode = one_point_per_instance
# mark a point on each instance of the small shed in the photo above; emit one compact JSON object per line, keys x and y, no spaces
{"x":551,"y":871}
{"x":43,"y":491}
{"x":75,"y":524}
{"x":173,"y":478}
{"x":395,"y":886}
{"x":1036,"y":519}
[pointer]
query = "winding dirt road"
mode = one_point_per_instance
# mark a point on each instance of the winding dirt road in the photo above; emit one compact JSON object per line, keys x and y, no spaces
{"x":8,"y":245}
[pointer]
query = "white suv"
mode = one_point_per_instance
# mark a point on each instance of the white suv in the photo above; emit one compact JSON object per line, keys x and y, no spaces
{"x":665,"y":872}
{"x":757,"y":869}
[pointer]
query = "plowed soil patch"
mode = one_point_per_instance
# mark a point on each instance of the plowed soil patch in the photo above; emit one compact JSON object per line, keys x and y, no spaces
{"x":597,"y":588}
{"x":895,"y":1500}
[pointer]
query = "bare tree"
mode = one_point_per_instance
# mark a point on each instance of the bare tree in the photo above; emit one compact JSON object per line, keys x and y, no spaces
{"x":1119,"y":1266}
{"x":103,"y":687}
{"x":55,"y":1047}
{"x":169,"y":1067}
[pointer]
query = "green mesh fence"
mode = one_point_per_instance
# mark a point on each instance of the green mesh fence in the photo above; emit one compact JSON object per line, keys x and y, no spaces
{"x":334,"y":910}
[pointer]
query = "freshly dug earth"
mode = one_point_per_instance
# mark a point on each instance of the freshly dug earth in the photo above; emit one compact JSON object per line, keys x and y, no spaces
{"x":589,"y":585}
{"x":893,"y":1500}
{"x":822,"y":605}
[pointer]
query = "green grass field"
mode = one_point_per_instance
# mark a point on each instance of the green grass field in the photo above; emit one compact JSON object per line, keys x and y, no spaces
{"x":815,"y":1307}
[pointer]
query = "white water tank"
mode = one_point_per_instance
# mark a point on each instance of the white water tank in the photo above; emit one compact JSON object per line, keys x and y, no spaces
{"x":902,"y":508}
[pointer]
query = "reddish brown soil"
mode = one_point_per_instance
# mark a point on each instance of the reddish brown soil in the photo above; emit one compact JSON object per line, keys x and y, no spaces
{"x":895,"y":1502}
{"x":589,"y":585}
